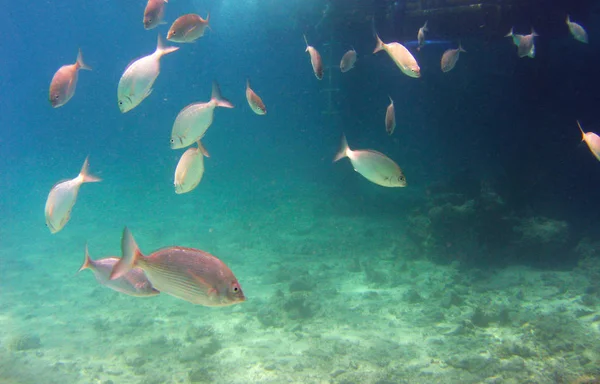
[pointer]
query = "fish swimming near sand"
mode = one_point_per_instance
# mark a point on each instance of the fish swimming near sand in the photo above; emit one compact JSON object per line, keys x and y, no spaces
{"x":133,"y":283}
{"x":186,"y":273}
{"x":188,"y":28}
{"x":190,"y":169}
{"x":64,"y":82}
{"x":373,"y":166}
{"x":62,"y":198}
{"x":192,"y":121}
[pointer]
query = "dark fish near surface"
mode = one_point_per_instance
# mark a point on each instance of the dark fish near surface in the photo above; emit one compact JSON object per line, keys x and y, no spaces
{"x":390,"y":118}
{"x":186,"y":273}
{"x":348,"y":61}
{"x":315,"y":60}
{"x":154,"y":13}
{"x":133,"y":283}
{"x":62,"y":87}
{"x":188,"y":28}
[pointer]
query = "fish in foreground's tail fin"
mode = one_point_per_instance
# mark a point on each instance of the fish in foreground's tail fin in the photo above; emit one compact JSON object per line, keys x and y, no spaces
{"x":85,"y":175}
{"x":343,"y":152}
{"x":162,"y":49}
{"x":80,"y":63}
{"x":87,"y":262}
{"x":216,"y":96}
{"x":131,"y":255}
{"x":582,"y":132}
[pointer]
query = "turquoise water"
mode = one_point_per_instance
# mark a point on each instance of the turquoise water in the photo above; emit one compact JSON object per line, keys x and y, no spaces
{"x":484,"y":269}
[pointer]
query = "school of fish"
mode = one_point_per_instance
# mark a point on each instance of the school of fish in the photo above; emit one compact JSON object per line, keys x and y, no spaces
{"x":191,"y":274}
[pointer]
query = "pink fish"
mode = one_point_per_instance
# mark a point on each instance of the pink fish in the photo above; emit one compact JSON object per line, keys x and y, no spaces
{"x":62,"y":87}
{"x":188,"y":28}
{"x":186,"y":273}
{"x":133,"y":283}
{"x":154,"y":13}
{"x":315,"y":60}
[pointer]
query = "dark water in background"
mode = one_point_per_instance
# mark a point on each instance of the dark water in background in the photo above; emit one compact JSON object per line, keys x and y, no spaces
{"x":496,"y":117}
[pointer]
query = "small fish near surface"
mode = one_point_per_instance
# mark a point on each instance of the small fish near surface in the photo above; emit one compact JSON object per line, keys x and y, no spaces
{"x":139,"y":76}
{"x":373,"y":166}
{"x":62,"y":198}
{"x":186,"y":273}
{"x":154,"y":13}
{"x":592,"y":140}
{"x":450,"y":58}
{"x":64,"y":81}
{"x":401,"y":56}
{"x":254,"y":101}
{"x":133,"y":283}
{"x":188,"y":28}
{"x":525,"y":43}
{"x":348,"y":61}
{"x":421,"y":36}
{"x":192,"y":122}
{"x":577,"y":31}
{"x":190,"y":169}
{"x":315,"y":60}
{"x":390,"y":118}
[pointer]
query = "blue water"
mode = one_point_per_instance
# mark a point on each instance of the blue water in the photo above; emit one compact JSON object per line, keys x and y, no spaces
{"x":485,"y":268}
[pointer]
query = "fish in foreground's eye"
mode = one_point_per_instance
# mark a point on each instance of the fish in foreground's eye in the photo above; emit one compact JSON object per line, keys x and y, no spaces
{"x":235,"y":289}
{"x":120,"y":102}
{"x":172,"y":141}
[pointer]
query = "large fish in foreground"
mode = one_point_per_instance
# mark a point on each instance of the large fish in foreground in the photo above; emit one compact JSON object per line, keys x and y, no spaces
{"x":186,"y":273}
{"x":62,"y":87}
{"x":62,"y":198}
{"x":188,"y":28}
{"x":133,"y":283}
{"x":192,"y":122}
{"x":374,"y":166}
{"x":315,"y":60}
{"x":137,"y":80}
{"x":401,"y":56}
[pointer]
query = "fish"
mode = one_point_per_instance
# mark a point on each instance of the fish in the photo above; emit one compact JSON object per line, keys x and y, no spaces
{"x":450,"y":58}
{"x":186,"y":273}
{"x":62,"y":198}
{"x":64,"y":81}
{"x":192,"y":121}
{"x":525,"y":43}
{"x":421,"y":36}
{"x":315,"y":60}
{"x":373,"y":166}
{"x":133,"y":283}
{"x":139,"y":76}
{"x":348,"y":61}
{"x":190,"y":169}
{"x":154,"y":13}
{"x":592,"y":140}
{"x":188,"y":28}
{"x":390,"y":118}
{"x":577,"y":31}
{"x":255,"y":102}
{"x":401,"y":56}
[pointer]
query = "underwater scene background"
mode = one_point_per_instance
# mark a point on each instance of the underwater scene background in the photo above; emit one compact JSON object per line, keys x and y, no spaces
{"x":485,"y":268}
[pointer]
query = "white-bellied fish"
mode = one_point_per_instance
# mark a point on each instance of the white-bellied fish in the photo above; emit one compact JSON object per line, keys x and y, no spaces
{"x":186,"y":273}
{"x":348,"y":61}
{"x":525,"y":43}
{"x":592,"y":140}
{"x":188,"y":28}
{"x":401,"y":56}
{"x":421,"y":36}
{"x":62,"y":198}
{"x":154,"y":13}
{"x":190,"y":169}
{"x":450,"y":58}
{"x":577,"y":31}
{"x":390,"y":118}
{"x":373,"y":166}
{"x":133,"y":283}
{"x":64,"y":81}
{"x":192,"y":122}
{"x":139,"y":76}
{"x":315,"y":60}
{"x":254,"y":101}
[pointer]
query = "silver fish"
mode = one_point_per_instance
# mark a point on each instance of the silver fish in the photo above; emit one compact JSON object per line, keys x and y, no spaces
{"x":450,"y":58}
{"x":373,"y":166}
{"x":577,"y":31}
{"x":137,"y":80}
{"x":186,"y":273}
{"x":401,"y":56}
{"x":190,"y":169}
{"x":421,"y":36}
{"x":390,"y":118}
{"x":315,"y":60}
{"x":133,"y":283}
{"x":525,"y":43}
{"x":348,"y":61}
{"x":64,"y":81}
{"x":193,"y":121}
{"x":62,"y":198}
